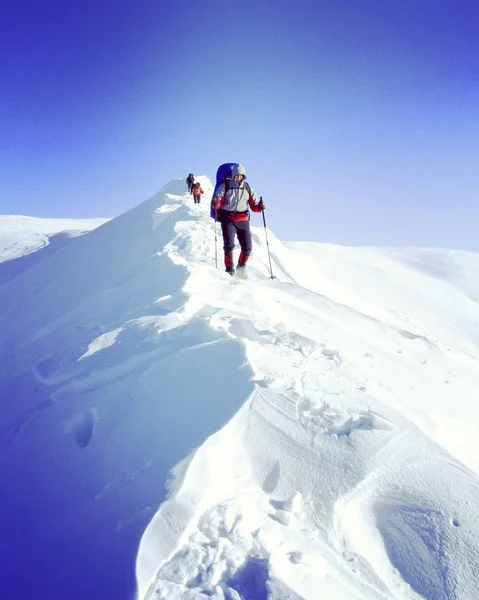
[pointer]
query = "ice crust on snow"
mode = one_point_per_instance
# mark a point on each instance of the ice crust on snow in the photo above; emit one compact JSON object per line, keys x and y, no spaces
{"x":186,"y":434}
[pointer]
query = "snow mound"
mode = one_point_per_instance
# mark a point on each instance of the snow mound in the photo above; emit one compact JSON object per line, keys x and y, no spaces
{"x":307,"y":436}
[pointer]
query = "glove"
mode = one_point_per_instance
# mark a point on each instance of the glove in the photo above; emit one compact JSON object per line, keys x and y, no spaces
{"x":261,"y":205}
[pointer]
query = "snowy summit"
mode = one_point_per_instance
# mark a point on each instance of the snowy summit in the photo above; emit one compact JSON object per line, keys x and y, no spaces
{"x":168,"y":431}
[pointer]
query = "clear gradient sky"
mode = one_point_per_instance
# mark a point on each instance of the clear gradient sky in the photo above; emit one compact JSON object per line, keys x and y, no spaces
{"x":356,"y":120}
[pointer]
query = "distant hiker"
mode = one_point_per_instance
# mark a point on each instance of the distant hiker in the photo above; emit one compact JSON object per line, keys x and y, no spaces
{"x":231,"y":200}
{"x":197,"y":190}
{"x":190,"y":181}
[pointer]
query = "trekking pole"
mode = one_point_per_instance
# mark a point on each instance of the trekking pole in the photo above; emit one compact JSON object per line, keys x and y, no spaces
{"x":216,"y":240}
{"x":267,"y":243}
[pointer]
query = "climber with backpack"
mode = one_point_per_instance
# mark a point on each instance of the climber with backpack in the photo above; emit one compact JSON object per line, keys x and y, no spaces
{"x":231,"y":199}
{"x":190,"y":181}
{"x":197,"y":191}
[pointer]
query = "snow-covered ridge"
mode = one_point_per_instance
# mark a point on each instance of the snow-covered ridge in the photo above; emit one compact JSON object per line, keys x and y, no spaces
{"x":20,"y":235}
{"x":320,"y":426}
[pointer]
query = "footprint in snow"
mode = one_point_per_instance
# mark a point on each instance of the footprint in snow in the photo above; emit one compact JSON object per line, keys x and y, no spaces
{"x":80,"y":428}
{"x":329,"y":421}
{"x":332,"y":355}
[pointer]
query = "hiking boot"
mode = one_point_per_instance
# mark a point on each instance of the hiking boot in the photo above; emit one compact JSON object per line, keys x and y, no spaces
{"x":230,"y":270}
{"x":241,"y":272}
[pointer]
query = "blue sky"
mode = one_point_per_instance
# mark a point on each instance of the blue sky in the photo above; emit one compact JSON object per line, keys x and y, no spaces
{"x":357,"y":121}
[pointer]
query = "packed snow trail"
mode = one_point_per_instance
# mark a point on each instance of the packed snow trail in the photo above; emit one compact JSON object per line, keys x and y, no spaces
{"x":381,"y":511}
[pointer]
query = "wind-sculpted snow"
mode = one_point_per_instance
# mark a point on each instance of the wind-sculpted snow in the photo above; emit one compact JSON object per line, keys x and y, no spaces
{"x":103,"y":390}
{"x":315,"y":432}
{"x":347,"y":391}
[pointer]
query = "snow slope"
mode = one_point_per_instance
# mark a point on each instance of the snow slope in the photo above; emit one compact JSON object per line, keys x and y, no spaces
{"x":314,"y":432}
{"x":21,"y":237}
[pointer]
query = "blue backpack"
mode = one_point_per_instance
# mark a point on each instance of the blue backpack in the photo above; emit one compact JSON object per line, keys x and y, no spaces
{"x":223,"y":175}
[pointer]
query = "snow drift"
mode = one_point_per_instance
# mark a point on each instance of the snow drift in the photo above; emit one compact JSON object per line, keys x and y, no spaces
{"x":168,"y":432}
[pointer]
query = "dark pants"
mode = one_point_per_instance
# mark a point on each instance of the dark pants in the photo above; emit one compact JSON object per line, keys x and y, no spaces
{"x":197,"y":199}
{"x":242,"y":230}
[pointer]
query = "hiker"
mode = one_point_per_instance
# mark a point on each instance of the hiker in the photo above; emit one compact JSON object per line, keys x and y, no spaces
{"x":231,"y":201}
{"x":197,"y":190}
{"x":190,"y":181}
